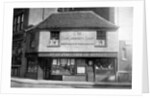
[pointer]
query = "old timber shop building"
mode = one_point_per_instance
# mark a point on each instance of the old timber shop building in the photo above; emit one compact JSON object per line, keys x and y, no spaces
{"x":72,"y":46}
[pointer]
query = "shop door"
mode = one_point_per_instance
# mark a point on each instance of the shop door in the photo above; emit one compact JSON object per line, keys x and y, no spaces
{"x":90,"y":72}
{"x":47,"y":68}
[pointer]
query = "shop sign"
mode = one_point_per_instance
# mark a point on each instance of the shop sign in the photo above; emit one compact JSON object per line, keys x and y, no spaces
{"x":77,"y":38}
{"x":82,"y":54}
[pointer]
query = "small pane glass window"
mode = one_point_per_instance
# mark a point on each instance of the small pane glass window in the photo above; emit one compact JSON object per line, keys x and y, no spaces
{"x":54,"y":61}
{"x":18,"y":21}
{"x":101,"y":35}
{"x":100,"y":38}
{"x":55,"y":35}
{"x":22,"y":17}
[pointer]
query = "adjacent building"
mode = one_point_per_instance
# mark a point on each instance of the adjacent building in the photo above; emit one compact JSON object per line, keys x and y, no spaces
{"x":20,"y":23}
{"x":124,"y":73}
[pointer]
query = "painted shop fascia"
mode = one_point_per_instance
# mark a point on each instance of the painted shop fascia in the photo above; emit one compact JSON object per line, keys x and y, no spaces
{"x":73,"y":46}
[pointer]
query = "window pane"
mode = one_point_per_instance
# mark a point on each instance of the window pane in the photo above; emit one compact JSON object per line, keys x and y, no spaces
{"x":18,"y":19}
{"x":22,"y":18}
{"x":72,"y":61}
{"x":55,"y":35}
{"x":101,"y":38}
{"x":104,"y":64}
{"x":63,"y":62}
{"x":64,"y":68}
{"x":54,"y":61}
{"x":69,"y":62}
{"x":101,"y":35}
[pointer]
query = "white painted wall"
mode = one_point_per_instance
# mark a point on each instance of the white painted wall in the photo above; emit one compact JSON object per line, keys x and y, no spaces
{"x":112,"y":42}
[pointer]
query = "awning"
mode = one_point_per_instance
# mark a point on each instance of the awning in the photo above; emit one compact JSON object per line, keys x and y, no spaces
{"x":78,"y":54}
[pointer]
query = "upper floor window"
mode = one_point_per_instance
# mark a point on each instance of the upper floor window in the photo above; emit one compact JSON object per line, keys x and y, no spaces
{"x":124,"y":53}
{"x":18,"y":22}
{"x":21,"y":22}
{"x":100,"y":38}
{"x":54,"y":38}
{"x":55,"y":35}
{"x":32,"y":40}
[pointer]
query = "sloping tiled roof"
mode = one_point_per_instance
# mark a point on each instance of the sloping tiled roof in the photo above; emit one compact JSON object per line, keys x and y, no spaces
{"x":77,"y":19}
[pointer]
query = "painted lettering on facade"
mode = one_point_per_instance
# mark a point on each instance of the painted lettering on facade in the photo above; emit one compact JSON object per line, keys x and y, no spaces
{"x":77,"y":38}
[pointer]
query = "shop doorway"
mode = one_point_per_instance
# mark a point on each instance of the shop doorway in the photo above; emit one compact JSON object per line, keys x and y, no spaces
{"x":46,"y":62}
{"x":90,"y":70}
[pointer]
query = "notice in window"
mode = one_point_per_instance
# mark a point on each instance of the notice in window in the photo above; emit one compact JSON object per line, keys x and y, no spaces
{"x":80,"y":70}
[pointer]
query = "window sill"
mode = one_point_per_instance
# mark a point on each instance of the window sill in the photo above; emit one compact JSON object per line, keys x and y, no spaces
{"x":53,"y":46}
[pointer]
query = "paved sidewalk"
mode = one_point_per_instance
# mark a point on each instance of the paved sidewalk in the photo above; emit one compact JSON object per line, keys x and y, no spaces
{"x":20,"y":82}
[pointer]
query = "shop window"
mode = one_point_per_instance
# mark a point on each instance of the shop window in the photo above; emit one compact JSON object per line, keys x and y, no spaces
{"x":72,"y":61}
{"x":104,"y":64}
{"x":54,"y":38}
{"x":63,"y":66}
{"x":18,"y":23}
{"x":81,"y":66}
{"x":55,"y":62}
{"x":100,"y":39}
{"x":32,"y":40}
{"x":32,"y":67}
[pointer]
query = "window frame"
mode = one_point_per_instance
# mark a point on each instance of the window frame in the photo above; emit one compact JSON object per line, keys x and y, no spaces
{"x":53,"y":33}
{"x":60,"y":65}
{"x":21,"y":21}
{"x":103,"y":37}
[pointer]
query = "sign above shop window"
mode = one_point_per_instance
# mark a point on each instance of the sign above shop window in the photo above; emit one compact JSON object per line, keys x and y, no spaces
{"x":77,"y":54}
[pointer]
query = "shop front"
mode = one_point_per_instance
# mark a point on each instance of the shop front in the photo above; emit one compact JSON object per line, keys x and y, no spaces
{"x":78,"y":68}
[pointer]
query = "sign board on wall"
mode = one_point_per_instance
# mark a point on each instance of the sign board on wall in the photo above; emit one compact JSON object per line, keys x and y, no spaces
{"x":77,"y":37}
